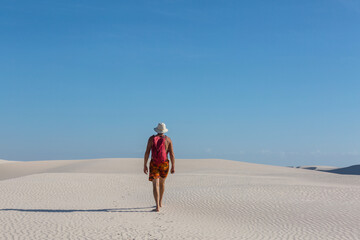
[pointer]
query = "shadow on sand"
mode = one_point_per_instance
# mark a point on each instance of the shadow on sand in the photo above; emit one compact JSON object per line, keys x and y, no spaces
{"x":138,"y":209}
{"x":352,"y":170}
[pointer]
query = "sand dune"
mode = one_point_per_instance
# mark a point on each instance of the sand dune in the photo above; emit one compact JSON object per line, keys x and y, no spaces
{"x":204,"y":199}
{"x":318,"y":168}
{"x":4,"y":161}
{"x":353,"y":170}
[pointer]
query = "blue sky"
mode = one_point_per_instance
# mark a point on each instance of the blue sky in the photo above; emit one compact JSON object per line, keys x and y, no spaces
{"x":273,"y":82}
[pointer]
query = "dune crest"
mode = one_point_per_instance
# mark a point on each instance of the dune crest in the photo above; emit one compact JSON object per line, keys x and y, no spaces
{"x":5,"y":161}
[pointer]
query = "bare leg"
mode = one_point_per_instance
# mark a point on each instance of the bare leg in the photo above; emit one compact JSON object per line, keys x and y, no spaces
{"x":162,"y":189}
{"x":156,"y":193}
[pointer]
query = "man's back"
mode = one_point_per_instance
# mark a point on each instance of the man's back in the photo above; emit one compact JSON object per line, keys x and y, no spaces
{"x":168,"y":144}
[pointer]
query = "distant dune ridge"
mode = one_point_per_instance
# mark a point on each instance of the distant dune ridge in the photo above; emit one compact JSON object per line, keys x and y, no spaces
{"x":352,"y":170}
{"x":204,"y":199}
{"x":318,"y":168}
{"x":4,"y":161}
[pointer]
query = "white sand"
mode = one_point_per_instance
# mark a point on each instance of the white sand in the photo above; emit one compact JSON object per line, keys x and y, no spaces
{"x":204,"y":199}
{"x":5,"y":161}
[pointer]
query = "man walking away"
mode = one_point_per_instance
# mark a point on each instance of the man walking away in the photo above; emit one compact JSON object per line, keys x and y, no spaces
{"x":160,"y":146}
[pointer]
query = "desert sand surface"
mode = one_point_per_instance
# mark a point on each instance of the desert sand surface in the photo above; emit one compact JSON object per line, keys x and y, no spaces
{"x":204,"y":199}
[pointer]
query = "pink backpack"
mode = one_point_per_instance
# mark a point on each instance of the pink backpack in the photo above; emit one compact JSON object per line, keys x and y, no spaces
{"x":158,"y":151}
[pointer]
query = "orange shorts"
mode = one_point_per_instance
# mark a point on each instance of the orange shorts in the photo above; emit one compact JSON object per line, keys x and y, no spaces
{"x":158,"y":170}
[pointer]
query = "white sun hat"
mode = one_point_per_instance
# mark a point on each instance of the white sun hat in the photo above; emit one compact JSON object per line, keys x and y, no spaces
{"x":161,"y":128}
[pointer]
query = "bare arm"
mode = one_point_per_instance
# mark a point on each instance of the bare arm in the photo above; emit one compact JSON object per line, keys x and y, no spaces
{"x":147,"y":154}
{"x":172,"y":156}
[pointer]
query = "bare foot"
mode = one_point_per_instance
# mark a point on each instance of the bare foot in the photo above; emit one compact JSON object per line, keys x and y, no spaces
{"x":157,"y":209}
{"x":160,"y":204}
